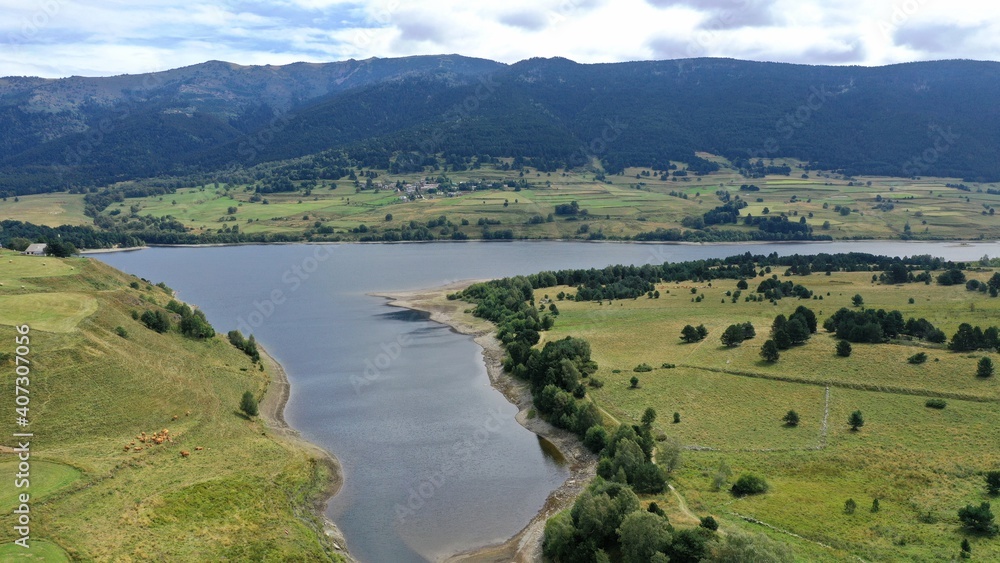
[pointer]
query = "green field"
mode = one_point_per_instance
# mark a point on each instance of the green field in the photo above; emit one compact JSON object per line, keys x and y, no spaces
{"x":46,"y":209}
{"x":40,"y":552}
{"x":242,"y":494}
{"x":620,"y":206}
{"x":922,"y":464}
{"x":46,"y":478}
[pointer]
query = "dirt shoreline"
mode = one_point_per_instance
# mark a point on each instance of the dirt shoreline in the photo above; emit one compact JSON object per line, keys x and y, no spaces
{"x":272,"y":411}
{"x":526,"y":545}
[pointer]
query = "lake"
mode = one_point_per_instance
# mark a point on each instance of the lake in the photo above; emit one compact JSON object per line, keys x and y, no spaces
{"x":433,"y":460}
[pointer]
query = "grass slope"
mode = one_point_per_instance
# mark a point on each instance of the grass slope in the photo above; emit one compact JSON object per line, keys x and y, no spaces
{"x":244,"y":496}
{"x":922,"y":464}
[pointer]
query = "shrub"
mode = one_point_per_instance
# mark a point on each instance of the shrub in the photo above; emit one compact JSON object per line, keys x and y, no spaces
{"x":709,"y":523}
{"x":856,"y":420}
{"x":850,"y":506}
{"x":978,"y":519}
{"x":749,"y":484}
{"x":844,"y":349}
{"x":248,"y":404}
{"x":120,"y":331}
{"x":985,"y":368}
{"x":634,"y":382}
{"x":791,"y":418}
{"x":643,"y":368}
{"x":918,"y":358}
{"x":936,"y":403}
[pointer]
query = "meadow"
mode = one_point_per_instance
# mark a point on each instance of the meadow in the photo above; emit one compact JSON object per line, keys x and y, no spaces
{"x":618,"y":206}
{"x":242,"y":493}
{"x":922,"y":464}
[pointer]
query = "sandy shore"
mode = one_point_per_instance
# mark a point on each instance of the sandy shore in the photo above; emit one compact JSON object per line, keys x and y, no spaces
{"x":272,"y":411}
{"x":526,"y":545}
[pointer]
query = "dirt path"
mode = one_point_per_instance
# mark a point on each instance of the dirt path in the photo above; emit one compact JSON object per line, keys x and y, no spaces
{"x":682,"y":505}
{"x":826,"y":417}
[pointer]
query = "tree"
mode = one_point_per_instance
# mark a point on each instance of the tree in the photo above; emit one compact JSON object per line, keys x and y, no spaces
{"x":690,"y":334}
{"x":850,"y":506}
{"x":843,"y":349}
{"x":749,"y":484}
{"x":978,"y":519}
{"x":702,"y":331}
{"x":985,"y":368}
{"x":770,"y":352}
{"x":648,"y":417}
{"x":875,"y":506}
{"x":677,"y":418}
{"x":791,"y":418}
{"x":19,"y":244}
{"x":856,"y":420}
{"x":966,"y":548}
{"x":634,"y":382}
{"x":641,"y":535}
{"x":993,"y":482}
{"x":388,"y":217}
{"x":60,"y":249}
{"x":248,"y":404}
{"x":739,"y":546}
{"x":732,"y":336}
{"x":709,"y":523}
{"x":857,"y":300}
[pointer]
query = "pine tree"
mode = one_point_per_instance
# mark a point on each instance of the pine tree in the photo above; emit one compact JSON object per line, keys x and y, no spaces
{"x":856,"y":420}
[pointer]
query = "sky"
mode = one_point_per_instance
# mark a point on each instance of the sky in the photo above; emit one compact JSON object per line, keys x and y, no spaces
{"x":56,"y":38}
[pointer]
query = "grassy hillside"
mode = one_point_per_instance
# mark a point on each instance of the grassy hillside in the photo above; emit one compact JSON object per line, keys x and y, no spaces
{"x":241,"y":494}
{"x":619,"y":207}
{"x":922,"y":464}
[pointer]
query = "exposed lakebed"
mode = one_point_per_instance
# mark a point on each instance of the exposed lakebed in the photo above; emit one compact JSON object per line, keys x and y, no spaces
{"x":434,"y":462}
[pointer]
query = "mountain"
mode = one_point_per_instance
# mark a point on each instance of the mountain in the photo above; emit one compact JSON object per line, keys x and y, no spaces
{"x":931,"y":118}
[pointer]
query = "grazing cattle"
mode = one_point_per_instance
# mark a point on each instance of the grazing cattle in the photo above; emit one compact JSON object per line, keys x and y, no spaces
{"x":198,"y":448}
{"x":175,"y":417}
{"x":188,"y":413}
{"x":185,"y":453}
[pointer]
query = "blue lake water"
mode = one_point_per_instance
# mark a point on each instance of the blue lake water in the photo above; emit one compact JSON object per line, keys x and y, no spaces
{"x":434,"y":462}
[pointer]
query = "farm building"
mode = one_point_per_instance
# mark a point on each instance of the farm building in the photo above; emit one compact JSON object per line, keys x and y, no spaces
{"x":37,"y":249}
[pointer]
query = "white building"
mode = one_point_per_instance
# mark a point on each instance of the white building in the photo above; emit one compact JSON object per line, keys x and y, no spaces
{"x":37,"y":249}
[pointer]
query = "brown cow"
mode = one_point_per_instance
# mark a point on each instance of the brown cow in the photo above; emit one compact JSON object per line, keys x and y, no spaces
{"x":185,"y":453}
{"x":198,"y":448}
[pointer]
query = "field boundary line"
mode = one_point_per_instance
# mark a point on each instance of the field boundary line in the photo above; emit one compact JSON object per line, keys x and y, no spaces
{"x":753,"y":520}
{"x":845,"y":385}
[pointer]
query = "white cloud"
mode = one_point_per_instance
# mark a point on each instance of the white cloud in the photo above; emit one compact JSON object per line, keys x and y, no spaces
{"x":91,"y":37}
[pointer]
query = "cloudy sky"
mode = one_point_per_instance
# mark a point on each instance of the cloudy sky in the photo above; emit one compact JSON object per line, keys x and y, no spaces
{"x":54,"y":38}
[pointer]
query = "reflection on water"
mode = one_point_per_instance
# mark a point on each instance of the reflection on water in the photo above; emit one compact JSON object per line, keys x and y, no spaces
{"x":551,"y":452}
